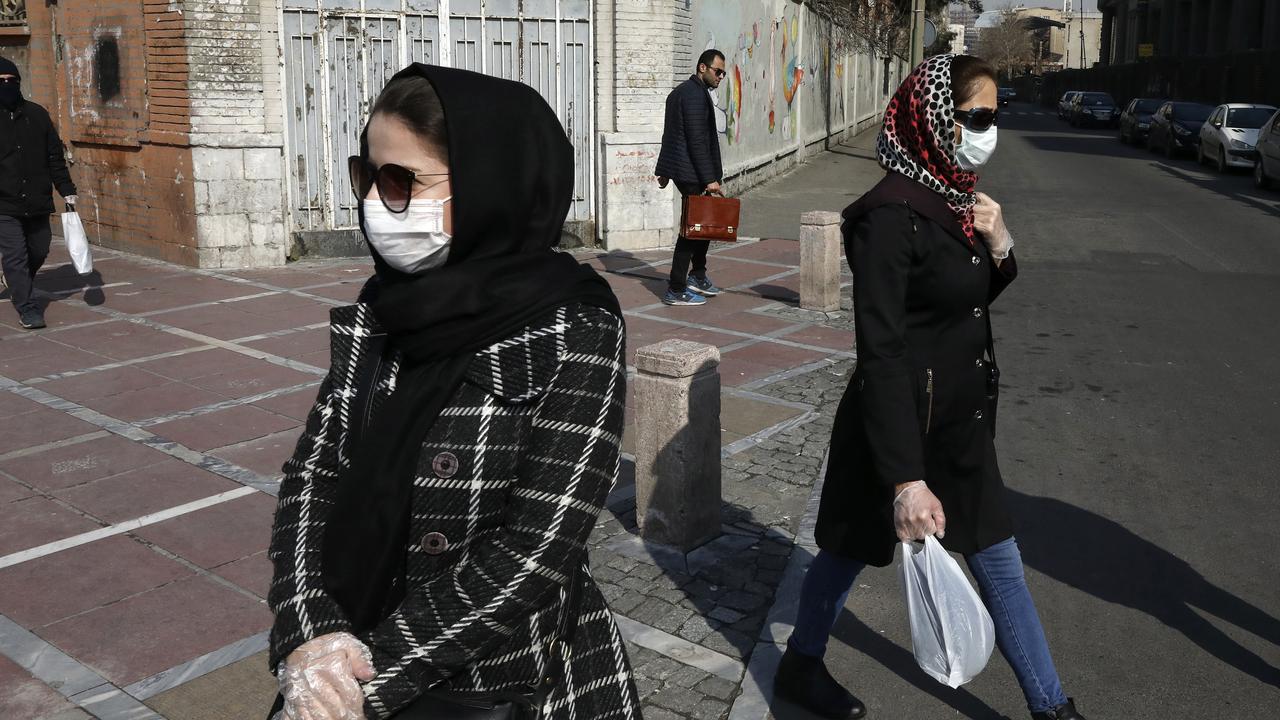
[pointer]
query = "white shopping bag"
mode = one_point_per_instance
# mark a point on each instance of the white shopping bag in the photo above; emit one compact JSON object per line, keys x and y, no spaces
{"x":951,"y":631}
{"x":77,"y":242}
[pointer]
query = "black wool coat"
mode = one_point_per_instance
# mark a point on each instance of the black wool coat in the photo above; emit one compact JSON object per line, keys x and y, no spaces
{"x":915,"y":408}
{"x":31,"y":162}
{"x":690,"y":143}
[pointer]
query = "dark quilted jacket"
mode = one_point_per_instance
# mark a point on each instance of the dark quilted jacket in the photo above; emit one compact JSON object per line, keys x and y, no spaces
{"x":510,"y":483}
{"x":690,"y":144}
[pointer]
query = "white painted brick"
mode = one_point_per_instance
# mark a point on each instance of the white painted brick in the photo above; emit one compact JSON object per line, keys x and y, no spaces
{"x":263,"y":164}
{"x":217,"y":163}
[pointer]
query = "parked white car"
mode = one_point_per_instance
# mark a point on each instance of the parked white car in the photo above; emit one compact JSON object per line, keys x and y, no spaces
{"x":1230,"y":137}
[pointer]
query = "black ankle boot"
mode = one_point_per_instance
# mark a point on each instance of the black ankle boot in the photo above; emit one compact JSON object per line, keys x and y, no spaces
{"x":1062,"y":712}
{"x":805,"y":681}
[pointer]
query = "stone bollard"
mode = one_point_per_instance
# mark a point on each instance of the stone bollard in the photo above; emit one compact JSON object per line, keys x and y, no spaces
{"x":820,"y":261}
{"x":677,"y":403}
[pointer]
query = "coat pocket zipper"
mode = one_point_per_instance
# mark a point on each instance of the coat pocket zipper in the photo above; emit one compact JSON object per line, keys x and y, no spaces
{"x":928,"y":389}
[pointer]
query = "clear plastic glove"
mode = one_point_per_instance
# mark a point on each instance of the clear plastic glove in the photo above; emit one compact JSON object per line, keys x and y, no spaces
{"x":917,"y":513}
{"x":71,"y":200}
{"x":988,"y":218}
{"x":321,"y":679}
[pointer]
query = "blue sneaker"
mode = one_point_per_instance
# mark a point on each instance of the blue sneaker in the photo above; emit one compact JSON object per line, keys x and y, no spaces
{"x":703,"y":285}
{"x":688,"y":297}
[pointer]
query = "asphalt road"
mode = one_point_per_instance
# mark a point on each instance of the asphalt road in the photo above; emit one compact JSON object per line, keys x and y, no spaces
{"x":1138,"y":433}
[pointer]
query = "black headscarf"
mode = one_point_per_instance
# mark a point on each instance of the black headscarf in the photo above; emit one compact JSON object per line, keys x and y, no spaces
{"x":511,"y":167}
{"x":10,"y":94}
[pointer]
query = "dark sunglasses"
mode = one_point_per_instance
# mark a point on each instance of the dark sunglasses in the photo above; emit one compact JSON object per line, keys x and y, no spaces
{"x":719,"y":73}
{"x":979,"y":119}
{"x":395,"y":183}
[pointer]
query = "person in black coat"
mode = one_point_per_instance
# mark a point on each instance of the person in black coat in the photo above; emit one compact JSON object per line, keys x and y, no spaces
{"x":31,"y":162}
{"x":690,"y":156}
{"x":912,"y":448}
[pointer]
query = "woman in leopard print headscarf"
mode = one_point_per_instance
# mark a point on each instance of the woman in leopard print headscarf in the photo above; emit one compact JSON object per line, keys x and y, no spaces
{"x":912,"y":449}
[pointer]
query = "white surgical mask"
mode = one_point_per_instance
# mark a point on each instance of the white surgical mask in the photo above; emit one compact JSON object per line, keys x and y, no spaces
{"x":411,"y":241}
{"x":975,"y":147}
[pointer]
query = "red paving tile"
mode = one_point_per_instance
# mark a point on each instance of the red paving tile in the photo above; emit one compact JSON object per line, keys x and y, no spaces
{"x":11,"y":491}
{"x":736,"y":301}
{"x":41,"y":426}
{"x":736,"y":371}
{"x":155,"y":401}
{"x":260,"y":377}
{"x":71,"y":465}
{"x":144,"y":491}
{"x":288,"y":278}
{"x":25,"y":524}
{"x":264,"y":456}
{"x":345,"y":292}
{"x":59,"y":314}
{"x":822,"y":337}
{"x":145,"y":634}
{"x":217,"y":535}
{"x":781,"y":357}
{"x":32,"y":357}
{"x":23,"y":696}
{"x":746,"y":322}
{"x":224,"y":322}
{"x":295,"y":344}
{"x":102,"y":383}
{"x":57,"y":586}
{"x":296,"y":305}
{"x":728,"y":273}
{"x":786,"y":289}
{"x":200,"y":288}
{"x":786,"y":252}
{"x":198,"y":364}
{"x":225,"y":427}
{"x":12,"y":405}
{"x":296,"y":405}
{"x":252,"y":573}
{"x":121,"y":340}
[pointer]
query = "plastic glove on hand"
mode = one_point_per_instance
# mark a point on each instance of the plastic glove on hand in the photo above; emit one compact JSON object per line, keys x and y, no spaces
{"x":321,"y":679}
{"x":917,"y":513}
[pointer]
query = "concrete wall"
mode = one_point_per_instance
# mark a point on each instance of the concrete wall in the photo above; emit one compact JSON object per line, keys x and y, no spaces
{"x":791,"y":87}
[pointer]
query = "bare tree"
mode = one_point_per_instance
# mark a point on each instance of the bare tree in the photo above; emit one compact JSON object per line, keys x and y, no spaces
{"x":882,"y":27}
{"x":1008,"y":44}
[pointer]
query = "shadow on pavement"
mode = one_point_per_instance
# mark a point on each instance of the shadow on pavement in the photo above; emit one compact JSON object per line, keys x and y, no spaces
{"x":1116,"y":565}
{"x":1218,"y":185}
{"x":63,"y":282}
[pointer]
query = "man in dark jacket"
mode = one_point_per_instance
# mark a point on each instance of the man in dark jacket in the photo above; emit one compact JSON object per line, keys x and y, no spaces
{"x":691,"y":157}
{"x":31,"y":162}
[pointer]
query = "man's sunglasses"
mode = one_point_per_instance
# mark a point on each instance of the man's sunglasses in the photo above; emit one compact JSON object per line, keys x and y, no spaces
{"x":395,"y":183}
{"x":979,"y":119}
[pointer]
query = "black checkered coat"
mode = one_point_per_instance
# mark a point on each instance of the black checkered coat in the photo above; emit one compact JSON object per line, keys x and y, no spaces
{"x":510,"y":483}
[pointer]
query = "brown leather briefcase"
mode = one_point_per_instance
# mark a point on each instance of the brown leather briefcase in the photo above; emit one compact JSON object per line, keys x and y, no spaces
{"x":710,"y":217}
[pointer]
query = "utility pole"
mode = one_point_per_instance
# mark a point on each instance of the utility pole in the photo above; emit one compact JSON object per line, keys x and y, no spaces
{"x":917,"y":32}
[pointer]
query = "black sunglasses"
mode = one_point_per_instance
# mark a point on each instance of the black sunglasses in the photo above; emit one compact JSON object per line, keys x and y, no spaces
{"x":979,"y":119}
{"x":395,"y":183}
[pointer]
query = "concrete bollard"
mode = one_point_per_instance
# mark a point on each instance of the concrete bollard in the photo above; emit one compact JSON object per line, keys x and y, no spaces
{"x":820,"y":261}
{"x":677,"y":402}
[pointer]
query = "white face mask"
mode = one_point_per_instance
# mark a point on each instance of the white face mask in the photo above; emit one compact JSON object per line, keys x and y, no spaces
{"x":975,"y":148}
{"x":411,"y":241}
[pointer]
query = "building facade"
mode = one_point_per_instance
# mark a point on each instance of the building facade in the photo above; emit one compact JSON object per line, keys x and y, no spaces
{"x":1134,"y":30}
{"x":1074,"y":41}
{"x":215,"y":133}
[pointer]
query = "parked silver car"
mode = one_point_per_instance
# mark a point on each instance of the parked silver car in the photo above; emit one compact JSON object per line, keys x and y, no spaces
{"x":1064,"y":105}
{"x":1266,"y":171}
{"x":1230,"y":135}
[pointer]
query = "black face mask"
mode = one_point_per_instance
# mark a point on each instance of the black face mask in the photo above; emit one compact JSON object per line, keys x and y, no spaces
{"x":10,"y":95}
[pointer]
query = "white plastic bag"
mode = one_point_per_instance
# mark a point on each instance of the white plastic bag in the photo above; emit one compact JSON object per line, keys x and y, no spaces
{"x":77,"y":242}
{"x":951,"y":631}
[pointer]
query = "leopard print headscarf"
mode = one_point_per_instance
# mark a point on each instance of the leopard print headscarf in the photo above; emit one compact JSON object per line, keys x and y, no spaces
{"x":918,"y":138}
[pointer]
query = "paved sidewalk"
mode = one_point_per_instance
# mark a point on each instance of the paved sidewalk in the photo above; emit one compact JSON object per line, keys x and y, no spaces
{"x":146,"y":428}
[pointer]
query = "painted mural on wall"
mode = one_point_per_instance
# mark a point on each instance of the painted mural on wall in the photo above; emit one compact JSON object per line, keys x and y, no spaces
{"x":788,"y":80}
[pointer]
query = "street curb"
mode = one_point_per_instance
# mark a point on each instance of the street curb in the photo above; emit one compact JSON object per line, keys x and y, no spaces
{"x":754,"y":702}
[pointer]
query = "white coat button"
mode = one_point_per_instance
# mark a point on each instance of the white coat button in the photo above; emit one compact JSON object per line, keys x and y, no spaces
{"x":977,"y":415}
{"x":976,"y":260}
{"x":977,"y":312}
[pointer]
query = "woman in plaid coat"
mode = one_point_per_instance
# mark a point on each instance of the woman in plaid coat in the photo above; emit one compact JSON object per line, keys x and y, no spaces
{"x":431,"y":531}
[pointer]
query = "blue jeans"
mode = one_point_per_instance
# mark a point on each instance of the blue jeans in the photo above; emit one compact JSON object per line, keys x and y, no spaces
{"x":998,"y":570}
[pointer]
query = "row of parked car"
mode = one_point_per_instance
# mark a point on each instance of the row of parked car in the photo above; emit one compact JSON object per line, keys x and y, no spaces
{"x":1231,"y":135}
